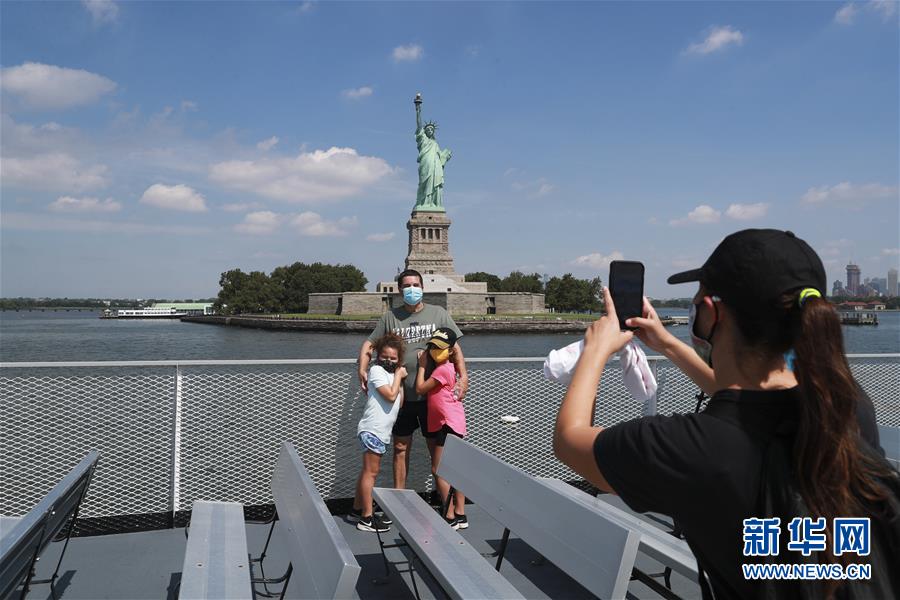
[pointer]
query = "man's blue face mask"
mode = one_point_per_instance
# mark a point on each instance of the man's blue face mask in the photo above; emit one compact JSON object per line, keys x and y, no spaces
{"x":412,"y":295}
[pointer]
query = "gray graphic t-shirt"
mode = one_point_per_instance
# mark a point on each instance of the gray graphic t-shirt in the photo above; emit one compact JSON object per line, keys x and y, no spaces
{"x":416,"y":330}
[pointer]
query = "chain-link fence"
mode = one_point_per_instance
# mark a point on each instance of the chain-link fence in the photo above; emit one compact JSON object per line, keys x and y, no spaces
{"x":170,"y":433}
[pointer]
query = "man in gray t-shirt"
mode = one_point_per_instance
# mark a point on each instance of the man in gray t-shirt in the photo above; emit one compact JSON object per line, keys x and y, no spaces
{"x":415,"y":321}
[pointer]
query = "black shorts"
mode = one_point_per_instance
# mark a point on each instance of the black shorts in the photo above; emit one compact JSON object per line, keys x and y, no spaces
{"x":412,"y":416}
{"x":440,"y":436}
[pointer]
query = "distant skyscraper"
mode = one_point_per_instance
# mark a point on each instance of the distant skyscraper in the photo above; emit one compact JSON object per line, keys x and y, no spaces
{"x":892,"y":283}
{"x":853,"y":279}
{"x":838,"y":288}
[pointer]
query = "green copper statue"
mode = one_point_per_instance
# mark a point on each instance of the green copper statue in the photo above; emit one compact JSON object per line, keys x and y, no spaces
{"x":430,"y":196}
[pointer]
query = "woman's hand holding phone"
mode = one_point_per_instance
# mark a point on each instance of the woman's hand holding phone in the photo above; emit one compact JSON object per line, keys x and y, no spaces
{"x":604,"y":335}
{"x":650,"y":329}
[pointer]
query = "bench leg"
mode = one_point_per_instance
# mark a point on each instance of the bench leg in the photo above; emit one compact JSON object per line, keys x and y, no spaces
{"x":262,"y":557}
{"x":503,"y":543}
{"x":52,"y":580}
{"x":383,"y":555}
{"x":653,"y":584}
{"x":286,"y":578}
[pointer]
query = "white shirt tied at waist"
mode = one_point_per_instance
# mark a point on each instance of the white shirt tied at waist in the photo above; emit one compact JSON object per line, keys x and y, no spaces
{"x":559,"y":367}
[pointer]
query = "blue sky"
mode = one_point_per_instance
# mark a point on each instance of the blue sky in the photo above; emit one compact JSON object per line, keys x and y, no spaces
{"x":147,"y":147}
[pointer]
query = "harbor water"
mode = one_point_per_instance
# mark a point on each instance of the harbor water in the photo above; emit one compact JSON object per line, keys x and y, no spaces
{"x":82,"y":336}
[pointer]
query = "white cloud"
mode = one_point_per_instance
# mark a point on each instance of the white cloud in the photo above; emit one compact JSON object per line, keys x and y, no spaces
{"x":189,"y":106}
{"x":33,"y":222}
{"x":702,"y":214}
{"x":534,"y":189}
{"x":240,"y":206}
{"x":39,"y":86}
{"x":311,"y":176}
{"x":846,"y":14}
{"x":409,"y":53}
{"x":358,"y":93}
{"x":891,"y":251}
{"x":747,"y":212}
{"x":266,"y":145}
{"x":597,"y":260}
{"x":313,"y":225}
{"x":849,"y":194}
{"x":174,"y":197}
{"x":103,"y":11}
{"x":717,"y":39}
{"x":55,"y":172}
{"x":305,"y":7}
{"x":81,"y":205}
{"x":259,"y":223}
{"x":886,"y":8}
{"x":380,"y":237}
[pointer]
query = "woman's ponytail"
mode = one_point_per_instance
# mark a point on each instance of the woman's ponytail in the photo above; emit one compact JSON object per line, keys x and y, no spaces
{"x":833,"y":474}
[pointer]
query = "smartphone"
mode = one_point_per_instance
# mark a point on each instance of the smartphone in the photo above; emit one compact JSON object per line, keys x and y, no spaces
{"x":626,"y":286}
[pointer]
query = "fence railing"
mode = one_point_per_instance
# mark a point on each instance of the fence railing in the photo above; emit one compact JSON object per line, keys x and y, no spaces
{"x":171,"y":432}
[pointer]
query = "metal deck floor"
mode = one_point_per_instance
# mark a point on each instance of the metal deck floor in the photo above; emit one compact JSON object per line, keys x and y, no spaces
{"x":148,"y":565}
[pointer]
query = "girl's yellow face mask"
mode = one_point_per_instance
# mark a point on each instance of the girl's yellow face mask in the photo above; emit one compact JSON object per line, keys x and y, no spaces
{"x":440,"y":356}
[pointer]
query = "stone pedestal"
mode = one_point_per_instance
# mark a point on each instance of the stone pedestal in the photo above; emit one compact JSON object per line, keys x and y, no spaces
{"x":429,"y":244}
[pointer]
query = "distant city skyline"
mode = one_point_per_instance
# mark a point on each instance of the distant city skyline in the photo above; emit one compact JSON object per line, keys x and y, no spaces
{"x":148,"y":147}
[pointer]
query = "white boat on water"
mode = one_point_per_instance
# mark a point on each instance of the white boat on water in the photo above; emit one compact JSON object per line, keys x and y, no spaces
{"x":174,"y":310}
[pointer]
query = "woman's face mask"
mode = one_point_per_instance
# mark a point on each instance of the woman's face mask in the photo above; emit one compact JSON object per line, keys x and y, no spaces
{"x":440,"y":356}
{"x":412,"y":295}
{"x":702,"y":346}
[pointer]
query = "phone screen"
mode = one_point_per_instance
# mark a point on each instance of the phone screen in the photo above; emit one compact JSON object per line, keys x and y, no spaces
{"x":626,"y":286}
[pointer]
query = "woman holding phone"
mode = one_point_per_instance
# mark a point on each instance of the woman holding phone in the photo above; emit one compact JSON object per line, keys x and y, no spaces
{"x":787,"y":432}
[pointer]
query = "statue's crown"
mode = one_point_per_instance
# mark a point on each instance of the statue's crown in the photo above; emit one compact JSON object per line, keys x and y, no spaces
{"x":432,"y":123}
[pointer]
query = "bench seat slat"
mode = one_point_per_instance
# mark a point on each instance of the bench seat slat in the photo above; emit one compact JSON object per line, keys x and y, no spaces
{"x":215,"y":561}
{"x":323,"y":564}
{"x":596,"y":552}
{"x":458,"y":567}
{"x":655,"y":543}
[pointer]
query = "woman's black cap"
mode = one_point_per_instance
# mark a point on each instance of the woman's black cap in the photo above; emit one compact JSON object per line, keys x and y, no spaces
{"x":758,"y":265}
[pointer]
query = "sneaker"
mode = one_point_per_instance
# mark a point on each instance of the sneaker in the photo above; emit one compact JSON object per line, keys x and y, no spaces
{"x":355,"y":514}
{"x":462,"y":522}
{"x":452,"y":522}
{"x":384,"y":518}
{"x":372,"y":523}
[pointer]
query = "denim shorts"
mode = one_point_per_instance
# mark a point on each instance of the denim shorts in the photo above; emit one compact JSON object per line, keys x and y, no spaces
{"x":371,"y":442}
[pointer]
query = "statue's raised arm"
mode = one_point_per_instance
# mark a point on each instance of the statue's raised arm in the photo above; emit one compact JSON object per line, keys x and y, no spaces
{"x":418,"y":103}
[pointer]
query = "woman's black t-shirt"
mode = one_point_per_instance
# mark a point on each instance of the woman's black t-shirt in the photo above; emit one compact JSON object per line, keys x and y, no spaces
{"x":704,"y":472}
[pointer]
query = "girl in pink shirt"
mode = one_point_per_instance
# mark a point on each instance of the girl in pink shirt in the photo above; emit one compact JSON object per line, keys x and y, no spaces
{"x":436,"y":377}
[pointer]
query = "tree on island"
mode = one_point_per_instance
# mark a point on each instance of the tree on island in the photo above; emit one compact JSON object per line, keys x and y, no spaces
{"x":297,"y":281}
{"x":243,"y":292}
{"x":493,"y":282}
{"x":520,"y":282}
{"x":286,"y":289}
{"x":570,"y":294}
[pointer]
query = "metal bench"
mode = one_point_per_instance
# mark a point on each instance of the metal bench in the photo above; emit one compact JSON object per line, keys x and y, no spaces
{"x":23,"y":544}
{"x":216,"y":564}
{"x":321,"y":562}
{"x":890,"y":442}
{"x":454,"y":563}
{"x":659,"y":545}
{"x":598,"y":553}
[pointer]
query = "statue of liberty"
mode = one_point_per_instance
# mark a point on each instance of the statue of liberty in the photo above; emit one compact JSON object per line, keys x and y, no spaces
{"x":430,"y":196}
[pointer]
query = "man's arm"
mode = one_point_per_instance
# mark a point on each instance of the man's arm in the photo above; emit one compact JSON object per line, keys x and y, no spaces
{"x":459,"y":361}
{"x":365,"y":355}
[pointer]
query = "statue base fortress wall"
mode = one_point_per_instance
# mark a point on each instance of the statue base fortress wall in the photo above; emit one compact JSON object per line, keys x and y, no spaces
{"x":429,"y":253}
